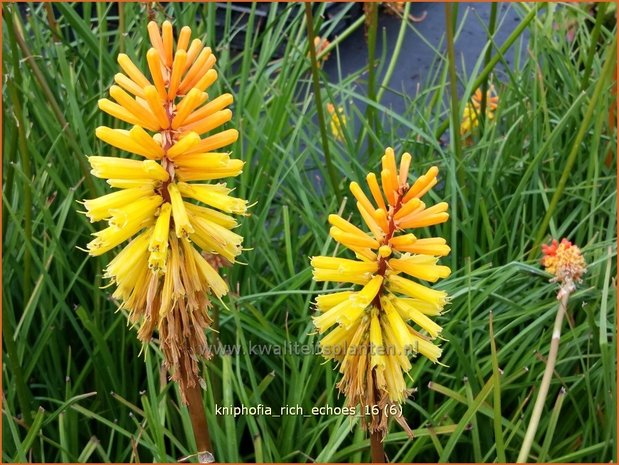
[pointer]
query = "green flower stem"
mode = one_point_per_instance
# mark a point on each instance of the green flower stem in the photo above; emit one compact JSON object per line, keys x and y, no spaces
{"x":487,"y":58}
{"x":341,"y":37}
{"x":395,"y":54}
{"x":543,"y":388}
{"x":496,"y":402}
{"x":317,"y":96}
{"x":453,"y":90}
{"x":217,"y":387}
{"x":24,"y":159}
{"x":121,"y":27}
{"x":370,"y":113}
{"x":392,"y":62}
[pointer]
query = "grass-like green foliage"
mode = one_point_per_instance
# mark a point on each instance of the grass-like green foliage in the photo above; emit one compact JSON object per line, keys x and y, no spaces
{"x":75,"y":385}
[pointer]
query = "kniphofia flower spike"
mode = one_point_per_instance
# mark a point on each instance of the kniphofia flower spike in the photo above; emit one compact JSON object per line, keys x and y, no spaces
{"x":565,"y":262}
{"x":371,"y":330}
{"x":470,"y":117}
{"x":168,"y":201}
{"x":338,"y":121}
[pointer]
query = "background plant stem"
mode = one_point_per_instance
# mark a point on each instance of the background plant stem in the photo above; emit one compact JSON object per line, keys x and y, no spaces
{"x":370,"y":113}
{"x":309,"y":20}
{"x":496,"y":401}
{"x":595,"y":34}
{"x":484,"y":86}
{"x":545,"y":384}
{"x":22,"y":146}
{"x":453,"y":90}
{"x":395,"y":54}
{"x":121,"y":27}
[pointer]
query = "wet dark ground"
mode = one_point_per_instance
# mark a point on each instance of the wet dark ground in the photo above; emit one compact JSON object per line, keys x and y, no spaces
{"x":416,"y":58}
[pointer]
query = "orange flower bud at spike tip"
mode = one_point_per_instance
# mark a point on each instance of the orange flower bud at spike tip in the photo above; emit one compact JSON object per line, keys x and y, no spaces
{"x":565,"y":262}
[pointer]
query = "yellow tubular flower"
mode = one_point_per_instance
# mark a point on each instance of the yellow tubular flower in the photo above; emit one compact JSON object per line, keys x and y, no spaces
{"x":338,"y":121}
{"x":470,"y":116}
{"x":163,"y":280}
{"x":371,"y":331}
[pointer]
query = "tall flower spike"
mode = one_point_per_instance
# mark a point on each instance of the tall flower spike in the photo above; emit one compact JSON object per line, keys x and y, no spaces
{"x":162,"y":281}
{"x":371,"y":330}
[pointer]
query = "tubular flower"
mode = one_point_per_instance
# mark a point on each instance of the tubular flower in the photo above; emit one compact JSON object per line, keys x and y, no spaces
{"x":337,"y":122}
{"x":472,"y":110}
{"x":167,"y":201}
{"x":370,"y":331}
{"x":321,"y":44}
{"x":565,"y":262}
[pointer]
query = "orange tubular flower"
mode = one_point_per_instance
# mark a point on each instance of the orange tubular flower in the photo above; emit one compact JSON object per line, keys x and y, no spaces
{"x":565,"y":262}
{"x":162,"y":280}
{"x":371,"y":331}
{"x":321,"y":44}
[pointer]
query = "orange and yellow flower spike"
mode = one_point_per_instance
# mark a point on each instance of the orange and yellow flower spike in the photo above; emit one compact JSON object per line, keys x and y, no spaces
{"x":372,"y":330}
{"x":162,"y":279}
{"x":470,"y":116}
{"x":337,"y":122}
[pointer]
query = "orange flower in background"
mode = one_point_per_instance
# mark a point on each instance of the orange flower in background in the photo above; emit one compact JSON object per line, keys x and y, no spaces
{"x":565,"y":262}
{"x":321,"y":44}
{"x":371,"y":331}
{"x":470,"y":117}
{"x":338,"y":121}
{"x":168,"y":201}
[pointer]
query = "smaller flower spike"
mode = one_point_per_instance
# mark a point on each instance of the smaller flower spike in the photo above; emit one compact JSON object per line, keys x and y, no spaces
{"x":163,"y":281}
{"x":565,"y":262}
{"x":338,"y":121}
{"x":470,"y":117}
{"x":371,"y":331}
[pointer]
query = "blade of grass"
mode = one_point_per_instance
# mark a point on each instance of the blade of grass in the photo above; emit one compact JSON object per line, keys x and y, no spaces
{"x":466,"y":418}
{"x":595,"y":35}
{"x":24,"y":160}
{"x":552,"y":424}
{"x":318,"y":99}
{"x":52,"y":101}
{"x":609,"y":61}
{"x":496,"y":404}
